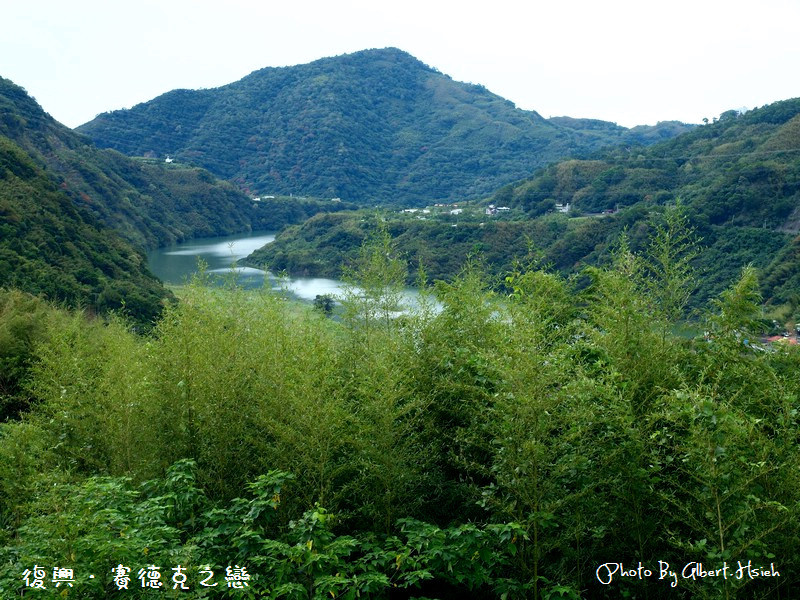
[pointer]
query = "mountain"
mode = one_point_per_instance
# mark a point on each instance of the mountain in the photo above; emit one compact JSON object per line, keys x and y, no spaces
{"x":740,"y":170}
{"x":373,"y":126}
{"x":75,"y":219}
{"x":150,"y":203}
{"x":738,"y":181}
{"x":737,"y":178}
{"x":51,"y":244}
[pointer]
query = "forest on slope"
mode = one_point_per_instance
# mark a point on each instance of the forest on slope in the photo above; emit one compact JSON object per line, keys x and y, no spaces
{"x":738,"y":178}
{"x":519,"y":431}
{"x":738,"y":181}
{"x":376,"y":126}
{"x":504,"y":446}
{"x":52,"y":245}
{"x":76,"y":219}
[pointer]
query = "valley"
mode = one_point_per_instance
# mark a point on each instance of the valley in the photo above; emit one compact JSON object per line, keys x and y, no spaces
{"x":580,"y":394}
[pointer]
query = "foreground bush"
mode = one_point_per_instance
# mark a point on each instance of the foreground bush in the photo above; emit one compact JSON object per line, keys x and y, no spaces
{"x":498,"y":445}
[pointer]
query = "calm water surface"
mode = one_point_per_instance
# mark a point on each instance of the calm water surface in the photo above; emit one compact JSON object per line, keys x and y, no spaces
{"x":177,"y":264}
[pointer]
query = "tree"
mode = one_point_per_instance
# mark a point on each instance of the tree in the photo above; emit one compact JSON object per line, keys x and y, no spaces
{"x":375,"y":283}
{"x":324,"y":303}
{"x":667,"y":267}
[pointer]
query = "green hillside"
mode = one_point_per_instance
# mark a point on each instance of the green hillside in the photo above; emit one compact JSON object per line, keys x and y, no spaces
{"x":51,"y":247}
{"x":741,"y":170}
{"x":149,"y":203}
{"x":373,"y":126}
{"x":75,"y":219}
{"x":737,"y":179}
{"x":503,"y":447}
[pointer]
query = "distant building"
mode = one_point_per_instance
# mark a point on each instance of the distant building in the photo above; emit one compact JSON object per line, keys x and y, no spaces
{"x":492,"y":210}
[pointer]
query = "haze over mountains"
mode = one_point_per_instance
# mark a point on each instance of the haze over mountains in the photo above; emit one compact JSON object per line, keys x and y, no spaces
{"x":373,"y":126}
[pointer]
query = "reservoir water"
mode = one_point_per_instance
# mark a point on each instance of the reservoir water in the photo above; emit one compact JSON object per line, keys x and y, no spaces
{"x":178,"y":263}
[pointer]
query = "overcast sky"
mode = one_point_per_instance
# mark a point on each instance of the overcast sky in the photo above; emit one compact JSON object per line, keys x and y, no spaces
{"x":628,"y":61}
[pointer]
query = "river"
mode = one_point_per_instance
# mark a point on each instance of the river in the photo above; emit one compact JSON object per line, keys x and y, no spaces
{"x":176,"y":264}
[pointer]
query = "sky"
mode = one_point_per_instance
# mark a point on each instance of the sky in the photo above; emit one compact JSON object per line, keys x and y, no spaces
{"x":633,"y":62}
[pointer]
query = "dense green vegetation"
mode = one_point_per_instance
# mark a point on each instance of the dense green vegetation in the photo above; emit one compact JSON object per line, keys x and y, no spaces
{"x":149,"y":202}
{"x":373,"y":126}
{"x":504,"y":445}
{"x":50,"y":246}
{"x":738,"y":181}
{"x":325,"y":245}
{"x":536,"y":418}
{"x":74,"y":220}
{"x":741,"y":170}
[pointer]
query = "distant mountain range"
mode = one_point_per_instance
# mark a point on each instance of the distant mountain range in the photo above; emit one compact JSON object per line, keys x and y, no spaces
{"x":738,"y":180}
{"x":376,"y":126}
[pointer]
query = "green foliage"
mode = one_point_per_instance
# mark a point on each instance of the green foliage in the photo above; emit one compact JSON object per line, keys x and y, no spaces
{"x":324,"y":303}
{"x":324,"y":244}
{"x":738,"y":308}
{"x":668,"y":270}
{"x":327,"y":245}
{"x":54,"y":249}
{"x":375,"y":282}
{"x":738,"y":181}
{"x":373,"y":125}
{"x":74,"y":220}
{"x":503,"y":445}
{"x":23,"y":326}
{"x":104,"y":521}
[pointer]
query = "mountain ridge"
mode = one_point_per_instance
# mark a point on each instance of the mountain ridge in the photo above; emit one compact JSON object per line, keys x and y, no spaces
{"x":375,"y":125}
{"x":51,"y":243}
{"x":737,"y":180}
{"x":76,"y":219}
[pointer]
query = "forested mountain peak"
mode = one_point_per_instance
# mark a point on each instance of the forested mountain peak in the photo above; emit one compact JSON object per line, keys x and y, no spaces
{"x":386,"y":58}
{"x":375,"y":125}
